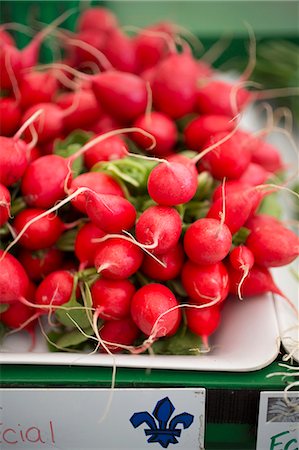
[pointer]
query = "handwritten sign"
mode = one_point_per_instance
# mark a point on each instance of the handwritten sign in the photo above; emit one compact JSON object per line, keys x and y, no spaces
{"x":278,"y":425}
{"x":69,"y":419}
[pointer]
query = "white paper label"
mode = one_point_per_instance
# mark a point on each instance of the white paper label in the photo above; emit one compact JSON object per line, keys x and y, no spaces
{"x":85,"y":419}
{"x":278,"y":424}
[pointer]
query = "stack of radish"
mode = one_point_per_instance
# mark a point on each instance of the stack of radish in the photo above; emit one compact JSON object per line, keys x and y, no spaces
{"x":130,"y":195}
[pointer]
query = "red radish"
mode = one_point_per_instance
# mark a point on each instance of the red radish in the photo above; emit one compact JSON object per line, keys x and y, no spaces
{"x":218,"y":97}
{"x":201,"y":128}
{"x":6,"y":37}
{"x":229,"y":159}
{"x":174,"y":85}
{"x":161,"y":127}
{"x":183,"y":159}
{"x":34,"y":153}
{"x":254,"y":175}
{"x":103,"y":124}
{"x":207,"y":241}
{"x":270,"y":251}
{"x":159,"y":226}
{"x":45,"y":180}
{"x":266,"y":155}
{"x":86,"y":45}
{"x":40,"y":263}
{"x":49,"y":125}
{"x":123,"y":95}
{"x":172,"y":183}
{"x":10,"y":114}
{"x":123,"y":332}
{"x":85,"y":112}
{"x":205,"y":283}
{"x":150,"y":311}
{"x":98,"y":19}
{"x":108,"y":150}
{"x":231,"y":187}
{"x":98,"y":182}
{"x":85,"y":248}
{"x":112,"y":298}
{"x":10,"y":65}
{"x":55,"y":290}
{"x":173,"y":261}
{"x":4,"y":204}
{"x":120,"y":51}
{"x":17,"y":315}
{"x":37,"y":87}
{"x":203,"y":322}
{"x":14,"y":281}
{"x":111,"y":213}
{"x":43,"y":233}
{"x":118,"y":259}
{"x":241,"y":258}
{"x":239,"y":206}
{"x":204,"y":70}
{"x":13,"y":160}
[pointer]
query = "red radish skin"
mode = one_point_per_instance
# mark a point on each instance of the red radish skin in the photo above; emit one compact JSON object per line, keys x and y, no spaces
{"x":6,"y":37}
{"x":120,"y":51}
{"x":110,"y":257}
{"x":43,"y":233}
{"x":217,"y":97}
{"x":37,"y":87}
{"x":103,"y":124}
{"x":207,"y":241}
{"x":272,"y":244}
{"x":49,"y":125}
{"x":149,"y":310}
{"x":205,"y":283}
{"x":267,"y":156}
{"x":4,"y":204}
{"x":108,"y":150}
{"x":161,"y":127}
{"x":254,"y":175}
{"x":99,"y":183}
{"x":10,"y":65}
{"x":123,"y":95}
{"x":97,"y":19}
{"x":201,"y":128}
{"x":17,"y":315}
{"x":241,"y":258}
{"x":14,"y":281}
{"x":173,"y":261}
{"x":160,"y":226}
{"x":203,"y":322}
{"x":13,"y":160}
{"x":85,"y":248}
{"x":182,"y":159}
{"x":111,"y":213}
{"x":172,"y":184}
{"x":44,"y":181}
{"x":174,"y":85}
{"x":39,"y":264}
{"x":123,"y":332}
{"x":112,"y":298}
{"x":10,"y":114}
{"x":55,"y":290}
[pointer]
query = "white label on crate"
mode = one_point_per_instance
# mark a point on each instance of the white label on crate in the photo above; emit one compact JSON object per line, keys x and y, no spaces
{"x":278,"y":423}
{"x":85,"y":419}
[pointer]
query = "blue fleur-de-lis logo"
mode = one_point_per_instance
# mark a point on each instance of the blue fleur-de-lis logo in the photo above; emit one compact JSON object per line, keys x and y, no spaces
{"x":161,"y":428}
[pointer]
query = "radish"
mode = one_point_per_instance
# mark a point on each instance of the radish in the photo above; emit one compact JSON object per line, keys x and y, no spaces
{"x":108,"y":150}
{"x":201,"y":128}
{"x":159,"y":226}
{"x":55,"y":290}
{"x":229,"y":159}
{"x":103,"y":124}
{"x":98,"y":182}
{"x":10,"y":114}
{"x":112,"y":298}
{"x":203,"y":322}
{"x":40,"y":263}
{"x":254,"y":175}
{"x":266,"y":155}
{"x":205,"y":283}
{"x":174,"y":85}
{"x":10,"y":65}
{"x":172,"y":261}
{"x":123,"y":332}
{"x":207,"y":241}
{"x":49,"y":125}
{"x":118,"y":259}
{"x":17,"y":315}
{"x":185,"y":160}
{"x":14,"y":281}
{"x":111,"y":213}
{"x":218,"y":97}
{"x":85,"y":248}
{"x":172,"y":183}
{"x":120,"y":51}
{"x":97,"y":19}
{"x":155,"y":311}
{"x":6,"y":37}
{"x":242,"y":259}
{"x":41,"y":233}
{"x":4,"y":204}
{"x":13,"y":160}
{"x":123,"y":95}
{"x":269,"y":252}
{"x":161,"y":127}
{"x":37,"y":87}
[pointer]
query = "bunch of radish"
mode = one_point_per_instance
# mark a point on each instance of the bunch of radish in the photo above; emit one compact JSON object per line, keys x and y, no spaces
{"x":130,"y":194}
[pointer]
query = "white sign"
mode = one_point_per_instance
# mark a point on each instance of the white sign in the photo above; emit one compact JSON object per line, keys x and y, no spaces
{"x":106,"y":419}
{"x":278,"y":425}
